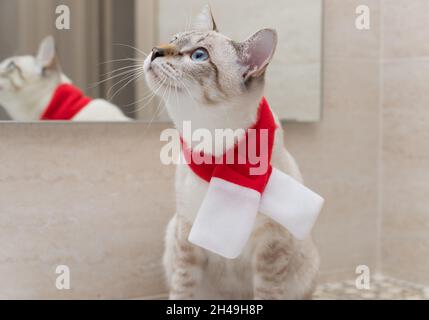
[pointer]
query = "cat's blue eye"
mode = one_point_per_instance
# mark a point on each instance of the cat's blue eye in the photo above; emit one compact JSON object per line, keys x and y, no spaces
{"x":200,"y":55}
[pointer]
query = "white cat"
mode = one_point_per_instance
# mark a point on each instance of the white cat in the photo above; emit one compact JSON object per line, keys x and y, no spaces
{"x":217,"y":83}
{"x":28,"y":85}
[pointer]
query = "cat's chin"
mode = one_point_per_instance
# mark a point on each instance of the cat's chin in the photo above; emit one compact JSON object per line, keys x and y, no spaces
{"x":152,"y":80}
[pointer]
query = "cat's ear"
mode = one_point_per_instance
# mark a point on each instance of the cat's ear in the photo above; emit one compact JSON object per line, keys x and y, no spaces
{"x":205,"y":21}
{"x":46,"y":57}
{"x":257,"y":52}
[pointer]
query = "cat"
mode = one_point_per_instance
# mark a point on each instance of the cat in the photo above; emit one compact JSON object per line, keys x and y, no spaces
{"x":217,"y":83}
{"x":30,"y":85}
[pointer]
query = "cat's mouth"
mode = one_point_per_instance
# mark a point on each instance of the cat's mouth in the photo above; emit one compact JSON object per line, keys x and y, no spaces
{"x":155,"y":75}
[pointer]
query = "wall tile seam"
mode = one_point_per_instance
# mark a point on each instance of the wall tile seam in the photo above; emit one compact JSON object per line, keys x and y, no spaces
{"x":380,"y":166}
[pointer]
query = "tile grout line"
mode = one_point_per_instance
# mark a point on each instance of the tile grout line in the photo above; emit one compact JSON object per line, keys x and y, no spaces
{"x":380,"y":165}
{"x":407,"y":59}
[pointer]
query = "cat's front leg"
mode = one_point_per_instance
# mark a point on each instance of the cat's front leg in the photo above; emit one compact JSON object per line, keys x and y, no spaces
{"x":270,"y":268}
{"x":187,"y":264}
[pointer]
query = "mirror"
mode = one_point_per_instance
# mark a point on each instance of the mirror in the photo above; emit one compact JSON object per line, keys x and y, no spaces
{"x":65,"y":51}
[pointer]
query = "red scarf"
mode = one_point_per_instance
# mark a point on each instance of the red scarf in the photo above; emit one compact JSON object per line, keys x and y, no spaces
{"x":66,"y":102}
{"x":239,"y":173}
{"x":236,"y":193}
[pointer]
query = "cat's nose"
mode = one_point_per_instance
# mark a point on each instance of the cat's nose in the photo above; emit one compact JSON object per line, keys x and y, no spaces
{"x":164,"y":51}
{"x":157,"y":52}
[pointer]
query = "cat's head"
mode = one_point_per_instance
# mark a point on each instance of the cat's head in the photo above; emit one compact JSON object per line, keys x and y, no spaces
{"x":25,"y":79}
{"x":203,"y":71}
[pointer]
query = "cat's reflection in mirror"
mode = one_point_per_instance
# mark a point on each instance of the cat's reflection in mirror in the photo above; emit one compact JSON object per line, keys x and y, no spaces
{"x":34,"y":88}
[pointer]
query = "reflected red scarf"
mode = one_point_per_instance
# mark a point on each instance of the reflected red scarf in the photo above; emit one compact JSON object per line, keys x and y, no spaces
{"x":65,"y":103}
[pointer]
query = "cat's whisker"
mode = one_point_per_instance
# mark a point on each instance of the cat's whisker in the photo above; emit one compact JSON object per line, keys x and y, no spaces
{"x":122,"y":60}
{"x":135,"y":66}
{"x":169,"y":74}
{"x":164,"y":100}
{"x":157,"y":85}
{"x":171,"y":89}
{"x":160,"y":101}
{"x":136,"y":77}
{"x":165,"y":71}
{"x":149,"y":95}
{"x":124,"y":73}
{"x":153,"y":96}
{"x":188,"y":91}
{"x":133,"y":78}
{"x":176,"y":79}
{"x":138,"y":102}
{"x":126,"y":78}
{"x":128,"y":74}
{"x":177,"y":95}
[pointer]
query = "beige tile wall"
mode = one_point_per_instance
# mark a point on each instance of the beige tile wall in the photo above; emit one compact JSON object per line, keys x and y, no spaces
{"x":95,"y":197}
{"x":339,"y":155}
{"x":405,"y":238}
